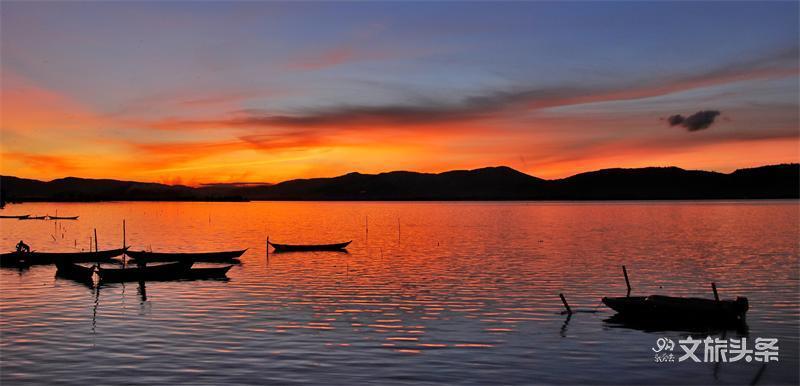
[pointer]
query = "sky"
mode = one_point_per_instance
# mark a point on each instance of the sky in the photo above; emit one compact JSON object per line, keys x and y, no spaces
{"x":202,"y":92}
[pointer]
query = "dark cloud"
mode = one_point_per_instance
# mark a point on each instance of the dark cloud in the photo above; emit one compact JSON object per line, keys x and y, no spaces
{"x":697,"y":121}
{"x":676,"y":119}
{"x":501,"y":103}
{"x":469,"y":108}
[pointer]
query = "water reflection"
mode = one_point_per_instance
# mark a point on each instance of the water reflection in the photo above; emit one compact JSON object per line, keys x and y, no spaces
{"x":564,"y":326}
{"x":96,"y":291}
{"x":142,"y":291}
{"x":469,"y":287}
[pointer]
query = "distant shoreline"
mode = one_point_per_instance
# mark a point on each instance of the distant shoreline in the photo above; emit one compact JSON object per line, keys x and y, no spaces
{"x":486,"y":184}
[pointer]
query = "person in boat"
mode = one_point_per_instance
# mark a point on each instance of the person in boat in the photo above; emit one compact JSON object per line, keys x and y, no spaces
{"x":22,"y":247}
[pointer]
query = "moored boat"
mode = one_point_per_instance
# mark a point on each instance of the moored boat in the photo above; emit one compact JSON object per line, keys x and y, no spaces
{"x":168,"y":271}
{"x":180,"y":256}
{"x":669,"y":308}
{"x":74,"y":271}
{"x":208,"y":273}
{"x":38,"y":258}
{"x":309,"y":247}
{"x":16,"y":216}
{"x":62,"y":217}
{"x":32,"y":218}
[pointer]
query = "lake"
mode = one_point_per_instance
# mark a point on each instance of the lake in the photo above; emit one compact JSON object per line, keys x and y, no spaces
{"x":428,"y":293}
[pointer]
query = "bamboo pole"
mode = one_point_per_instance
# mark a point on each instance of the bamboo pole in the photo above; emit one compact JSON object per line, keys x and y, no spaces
{"x":95,"y":240}
{"x":714,"y":288}
{"x":124,"y":242}
{"x":566,"y":305}
{"x":627,"y":282}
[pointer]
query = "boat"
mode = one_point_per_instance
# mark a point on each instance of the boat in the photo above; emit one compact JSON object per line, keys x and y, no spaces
{"x":16,"y":217}
{"x":655,"y":325}
{"x":208,"y":273}
{"x":678,"y":309}
{"x":32,"y":218}
{"x":180,"y":256}
{"x":309,"y":247}
{"x":39,"y":258}
{"x":74,"y":271}
{"x":62,"y":217}
{"x":170,"y":271}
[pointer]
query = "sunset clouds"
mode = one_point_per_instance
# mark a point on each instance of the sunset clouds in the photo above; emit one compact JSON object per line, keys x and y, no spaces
{"x":229,"y":97}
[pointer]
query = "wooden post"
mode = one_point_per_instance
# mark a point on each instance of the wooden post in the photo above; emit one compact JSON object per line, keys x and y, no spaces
{"x":123,"y":244}
{"x":627,"y":282}
{"x":95,"y":240}
{"x":267,"y":247}
{"x":714,"y":288}
{"x":566,"y":305}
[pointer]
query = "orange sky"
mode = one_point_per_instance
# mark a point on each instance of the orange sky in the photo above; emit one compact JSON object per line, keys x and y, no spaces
{"x":352,"y":104}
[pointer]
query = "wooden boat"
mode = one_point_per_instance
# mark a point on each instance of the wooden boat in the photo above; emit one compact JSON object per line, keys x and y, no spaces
{"x":208,"y":273}
{"x":171,"y":271}
{"x":168,"y":271}
{"x":309,"y":247}
{"x":62,"y":217}
{"x":668,"y":308}
{"x":16,"y":217}
{"x":38,"y":258}
{"x":180,"y":256}
{"x":74,"y":271}
{"x":33,"y":218}
{"x":690,"y":326}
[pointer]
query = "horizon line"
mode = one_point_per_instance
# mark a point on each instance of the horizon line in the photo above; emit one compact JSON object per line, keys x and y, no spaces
{"x":212,"y":184}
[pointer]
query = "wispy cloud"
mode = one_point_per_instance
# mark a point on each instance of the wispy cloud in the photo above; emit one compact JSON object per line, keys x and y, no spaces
{"x":491,"y":104}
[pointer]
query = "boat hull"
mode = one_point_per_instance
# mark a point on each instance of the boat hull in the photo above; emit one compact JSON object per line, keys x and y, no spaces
{"x":667,"y":308}
{"x":162,"y":272}
{"x":199,"y":256}
{"x":309,"y":247}
{"x":43,"y":258}
{"x":74,"y":271}
{"x":208,"y":273}
{"x":170,"y":271}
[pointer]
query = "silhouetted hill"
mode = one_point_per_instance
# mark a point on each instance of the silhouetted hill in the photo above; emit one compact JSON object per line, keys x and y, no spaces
{"x":644,"y":183}
{"x":497,"y":183}
{"x":494,"y":183}
{"x":14,"y":189}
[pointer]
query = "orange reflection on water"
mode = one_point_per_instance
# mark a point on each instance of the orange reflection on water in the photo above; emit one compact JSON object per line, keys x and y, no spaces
{"x":461,"y":277}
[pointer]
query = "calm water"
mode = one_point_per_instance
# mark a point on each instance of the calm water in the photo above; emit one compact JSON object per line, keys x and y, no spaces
{"x":458,"y":293}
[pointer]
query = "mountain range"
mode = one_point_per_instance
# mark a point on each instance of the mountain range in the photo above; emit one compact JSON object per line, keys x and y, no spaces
{"x":491,"y":183}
